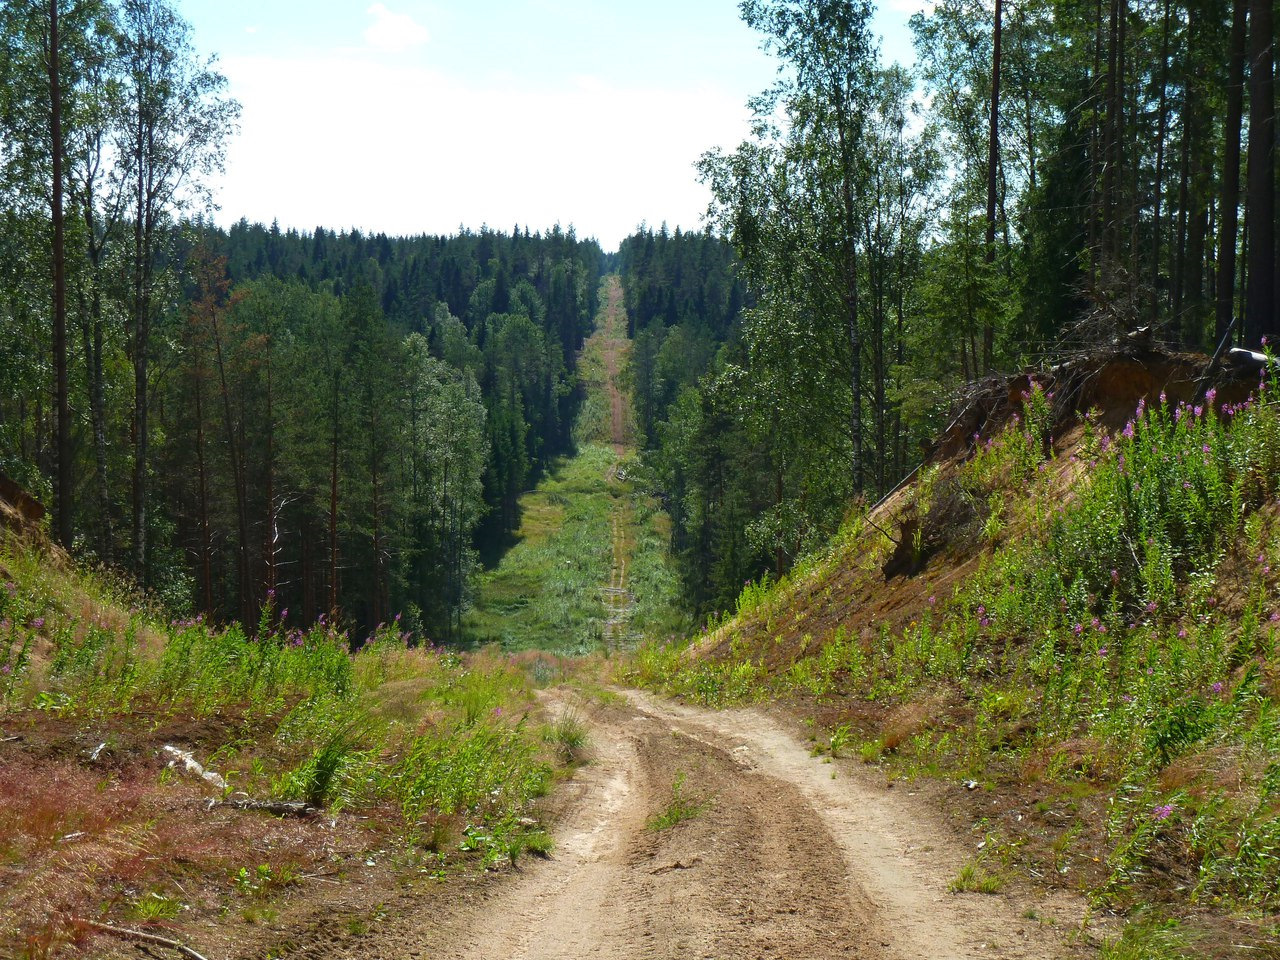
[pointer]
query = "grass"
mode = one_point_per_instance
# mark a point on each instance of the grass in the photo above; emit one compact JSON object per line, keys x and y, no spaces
{"x":568,"y":735}
{"x":420,"y":745}
{"x":972,"y":878}
{"x":548,"y":591}
{"x":678,"y":809}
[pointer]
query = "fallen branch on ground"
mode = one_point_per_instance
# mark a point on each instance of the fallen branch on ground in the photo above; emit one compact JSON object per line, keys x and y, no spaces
{"x":282,"y":808}
{"x":192,"y":766}
{"x":137,"y":935}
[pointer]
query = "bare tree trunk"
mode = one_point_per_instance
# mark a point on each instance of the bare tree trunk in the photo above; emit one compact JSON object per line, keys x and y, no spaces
{"x":237,"y":473}
{"x":270,"y":539}
{"x":1260,"y":308}
{"x":61,"y":389}
{"x":140,"y":344}
{"x":993,"y":161}
{"x":333,"y":513}
{"x":206,"y":541}
{"x":1162,"y":128}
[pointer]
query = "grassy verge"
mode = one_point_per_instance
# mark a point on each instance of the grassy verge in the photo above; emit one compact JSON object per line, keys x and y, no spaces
{"x":418,"y":757}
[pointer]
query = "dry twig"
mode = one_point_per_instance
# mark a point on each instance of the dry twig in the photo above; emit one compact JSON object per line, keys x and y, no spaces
{"x":137,"y":935}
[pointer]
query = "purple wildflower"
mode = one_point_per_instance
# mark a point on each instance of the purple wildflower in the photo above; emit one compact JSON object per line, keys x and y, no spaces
{"x":37,"y":623}
{"x":1217,"y":687}
{"x":1128,"y":430}
{"x":1162,"y":812}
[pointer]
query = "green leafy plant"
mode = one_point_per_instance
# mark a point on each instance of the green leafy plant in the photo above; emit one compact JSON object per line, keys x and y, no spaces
{"x":679,"y":808}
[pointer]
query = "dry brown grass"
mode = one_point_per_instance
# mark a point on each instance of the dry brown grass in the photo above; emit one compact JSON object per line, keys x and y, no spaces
{"x":909,"y":719}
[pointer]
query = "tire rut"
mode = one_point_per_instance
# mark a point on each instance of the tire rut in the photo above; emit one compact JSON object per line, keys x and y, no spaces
{"x":781,"y":861}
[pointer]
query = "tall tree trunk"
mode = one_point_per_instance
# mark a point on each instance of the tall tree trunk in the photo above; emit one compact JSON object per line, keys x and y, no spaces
{"x":1260,"y":304}
{"x":850,"y":267}
{"x":1111,"y":144}
{"x":61,"y":390}
{"x":270,"y":540}
{"x":1179,"y":266}
{"x":993,"y":161}
{"x":235,"y":452}
{"x":1162,"y":129}
{"x":1230,"y":203}
{"x":333,"y":510}
{"x":206,"y":540}
{"x":140,"y":345}
{"x":1095,"y":149}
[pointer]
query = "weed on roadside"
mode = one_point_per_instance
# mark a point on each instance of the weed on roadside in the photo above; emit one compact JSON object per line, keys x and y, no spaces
{"x":679,"y":808}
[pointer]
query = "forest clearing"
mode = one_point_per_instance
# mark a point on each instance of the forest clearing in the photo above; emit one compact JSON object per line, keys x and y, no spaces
{"x":848,"y":526}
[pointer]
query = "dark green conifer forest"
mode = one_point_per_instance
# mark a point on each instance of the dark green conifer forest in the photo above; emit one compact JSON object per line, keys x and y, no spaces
{"x":332,"y":423}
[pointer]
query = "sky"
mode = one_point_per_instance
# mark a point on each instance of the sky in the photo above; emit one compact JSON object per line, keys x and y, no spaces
{"x":426,"y":116}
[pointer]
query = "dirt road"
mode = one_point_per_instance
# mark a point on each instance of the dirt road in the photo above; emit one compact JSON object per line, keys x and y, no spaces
{"x":783,"y":861}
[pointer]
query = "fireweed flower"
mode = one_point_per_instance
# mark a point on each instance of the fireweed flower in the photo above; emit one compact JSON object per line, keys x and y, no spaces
{"x":1217,"y":687}
{"x":1162,"y":812}
{"x":37,"y":623}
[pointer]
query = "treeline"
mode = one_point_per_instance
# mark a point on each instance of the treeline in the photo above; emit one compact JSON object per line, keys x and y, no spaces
{"x":1080,"y":170}
{"x":316,"y":424}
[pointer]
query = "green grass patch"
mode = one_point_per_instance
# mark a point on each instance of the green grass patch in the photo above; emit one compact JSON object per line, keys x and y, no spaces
{"x":679,"y":808}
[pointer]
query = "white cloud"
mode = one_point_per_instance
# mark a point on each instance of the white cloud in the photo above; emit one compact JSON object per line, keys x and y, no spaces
{"x":393,"y":32}
{"x":344,"y":141}
{"x":250,"y":30}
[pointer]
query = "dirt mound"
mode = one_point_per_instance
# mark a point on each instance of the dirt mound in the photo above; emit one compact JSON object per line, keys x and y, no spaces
{"x":22,"y":519}
{"x":1111,"y":380}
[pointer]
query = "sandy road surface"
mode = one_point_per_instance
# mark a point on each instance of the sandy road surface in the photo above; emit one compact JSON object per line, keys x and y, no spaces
{"x":784,"y":861}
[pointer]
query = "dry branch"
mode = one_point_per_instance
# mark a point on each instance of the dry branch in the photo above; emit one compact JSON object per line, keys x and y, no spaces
{"x":283,"y":808}
{"x":139,"y":936}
